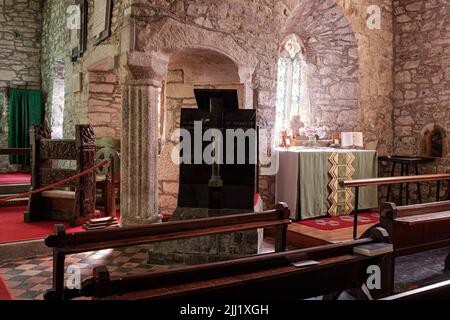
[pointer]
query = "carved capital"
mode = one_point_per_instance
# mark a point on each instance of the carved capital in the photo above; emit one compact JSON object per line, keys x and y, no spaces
{"x":145,"y":66}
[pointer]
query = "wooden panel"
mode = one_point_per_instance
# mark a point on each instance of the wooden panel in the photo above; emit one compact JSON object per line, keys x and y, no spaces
{"x":58,"y":149}
{"x":49,"y":176}
{"x":15,"y":152}
{"x":14,"y":189}
{"x":53,"y":205}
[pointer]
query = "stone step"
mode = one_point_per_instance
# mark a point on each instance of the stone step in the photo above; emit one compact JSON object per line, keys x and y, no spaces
{"x":23,"y":250}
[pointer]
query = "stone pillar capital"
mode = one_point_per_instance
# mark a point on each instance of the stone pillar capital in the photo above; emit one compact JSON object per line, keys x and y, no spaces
{"x":150,"y":67}
{"x":246,"y":77}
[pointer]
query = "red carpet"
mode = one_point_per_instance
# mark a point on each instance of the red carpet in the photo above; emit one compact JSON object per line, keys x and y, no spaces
{"x":329,"y":224}
{"x":4,"y":292}
{"x":15,"y":178}
{"x":13,"y":229}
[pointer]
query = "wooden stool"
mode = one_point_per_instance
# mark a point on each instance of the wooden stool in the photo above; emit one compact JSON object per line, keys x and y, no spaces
{"x":406,"y":163}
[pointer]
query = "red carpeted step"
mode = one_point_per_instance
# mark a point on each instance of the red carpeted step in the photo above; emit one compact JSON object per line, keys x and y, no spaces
{"x":14,"y":229}
{"x":15,"y":178}
{"x":4,"y":292}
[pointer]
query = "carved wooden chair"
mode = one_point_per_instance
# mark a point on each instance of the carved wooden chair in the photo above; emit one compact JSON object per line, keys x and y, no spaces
{"x":74,"y":202}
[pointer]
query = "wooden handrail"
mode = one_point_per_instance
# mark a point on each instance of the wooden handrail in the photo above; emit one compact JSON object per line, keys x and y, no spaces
{"x":15,"y":152}
{"x":433,"y":292}
{"x":393,"y":180}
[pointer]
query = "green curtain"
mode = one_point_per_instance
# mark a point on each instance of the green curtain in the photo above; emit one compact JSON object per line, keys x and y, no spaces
{"x":25,"y":110}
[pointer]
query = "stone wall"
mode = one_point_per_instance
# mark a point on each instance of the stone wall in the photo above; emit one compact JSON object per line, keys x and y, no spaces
{"x":422,"y":77}
{"x":91,"y":83}
{"x":104,"y":103}
{"x":20,"y":34}
{"x":362,"y":101}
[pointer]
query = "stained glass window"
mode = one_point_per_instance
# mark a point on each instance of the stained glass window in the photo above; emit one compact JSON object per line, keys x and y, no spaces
{"x":289,"y":91}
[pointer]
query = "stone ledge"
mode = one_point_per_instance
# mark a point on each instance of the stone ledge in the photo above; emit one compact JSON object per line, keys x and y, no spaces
{"x":23,"y":250}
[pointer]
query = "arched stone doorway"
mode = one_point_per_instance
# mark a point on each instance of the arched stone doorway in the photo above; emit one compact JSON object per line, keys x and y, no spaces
{"x":187,"y":70}
{"x":145,"y":69}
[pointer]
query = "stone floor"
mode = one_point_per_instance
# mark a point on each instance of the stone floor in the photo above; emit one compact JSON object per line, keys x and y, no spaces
{"x":421,"y":269}
{"x":29,"y":279}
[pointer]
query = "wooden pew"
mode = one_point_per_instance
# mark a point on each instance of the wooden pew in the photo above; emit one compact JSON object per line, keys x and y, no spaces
{"x":64,"y":244}
{"x":264,"y":277}
{"x":417,"y":228}
{"x":76,"y":205}
{"x":357,"y":184}
{"x":438,"y":291}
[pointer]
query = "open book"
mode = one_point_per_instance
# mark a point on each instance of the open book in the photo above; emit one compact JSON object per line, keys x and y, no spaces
{"x":352,"y":139}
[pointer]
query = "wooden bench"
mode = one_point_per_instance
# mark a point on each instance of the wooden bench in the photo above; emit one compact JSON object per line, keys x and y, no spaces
{"x":264,"y":277}
{"x":64,"y":244}
{"x":77,"y":204}
{"x":438,"y":291}
{"x":417,"y":228}
{"x":357,"y":184}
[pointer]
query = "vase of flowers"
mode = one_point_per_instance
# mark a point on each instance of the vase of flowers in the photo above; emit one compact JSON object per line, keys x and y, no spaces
{"x":314,"y":135}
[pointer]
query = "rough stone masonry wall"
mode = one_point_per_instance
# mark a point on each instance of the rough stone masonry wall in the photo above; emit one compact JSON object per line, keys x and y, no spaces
{"x":221,"y":26}
{"x":91,"y":85}
{"x":422,"y":76}
{"x":20,"y":34}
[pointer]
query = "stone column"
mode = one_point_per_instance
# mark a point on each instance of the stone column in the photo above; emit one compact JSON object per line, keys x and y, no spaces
{"x":246,"y":77}
{"x":139,"y":189}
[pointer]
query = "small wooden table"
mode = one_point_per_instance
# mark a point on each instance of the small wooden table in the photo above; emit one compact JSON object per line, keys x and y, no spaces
{"x":405,"y":163}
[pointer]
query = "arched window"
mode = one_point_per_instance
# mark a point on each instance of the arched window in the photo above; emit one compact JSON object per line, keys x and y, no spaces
{"x":290,"y":86}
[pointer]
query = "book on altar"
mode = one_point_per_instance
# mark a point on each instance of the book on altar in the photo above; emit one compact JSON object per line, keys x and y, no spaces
{"x":352,"y":139}
{"x":374,"y":249}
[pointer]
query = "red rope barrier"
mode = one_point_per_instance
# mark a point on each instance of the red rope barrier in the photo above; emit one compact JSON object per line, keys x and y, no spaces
{"x":56,"y":184}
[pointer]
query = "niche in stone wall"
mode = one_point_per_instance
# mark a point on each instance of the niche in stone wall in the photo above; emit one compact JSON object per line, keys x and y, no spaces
{"x":187,"y":70}
{"x":433,"y":141}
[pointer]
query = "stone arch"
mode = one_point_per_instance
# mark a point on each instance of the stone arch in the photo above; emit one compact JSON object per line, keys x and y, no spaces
{"x":331,"y":54}
{"x":146,"y":65}
{"x":170,"y":35}
{"x":155,"y":44}
{"x":188,"y":69}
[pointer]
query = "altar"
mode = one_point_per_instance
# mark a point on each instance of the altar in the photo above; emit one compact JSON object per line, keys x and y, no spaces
{"x":308,"y":180}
